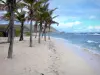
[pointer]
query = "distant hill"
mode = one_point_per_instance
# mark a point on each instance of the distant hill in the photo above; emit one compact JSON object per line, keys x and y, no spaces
{"x":26,"y":28}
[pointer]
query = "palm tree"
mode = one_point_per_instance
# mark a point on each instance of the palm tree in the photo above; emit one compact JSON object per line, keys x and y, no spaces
{"x":45,"y":25}
{"x":45,"y":20}
{"x":30,"y":5}
{"x":44,"y":31}
{"x":12,"y":4}
{"x":49,"y":21}
{"x":35,"y":28}
{"x":42,"y":16}
{"x":35,"y":6}
{"x":20,"y":16}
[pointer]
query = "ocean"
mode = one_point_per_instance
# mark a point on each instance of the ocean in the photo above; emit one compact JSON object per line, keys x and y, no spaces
{"x":89,"y":41}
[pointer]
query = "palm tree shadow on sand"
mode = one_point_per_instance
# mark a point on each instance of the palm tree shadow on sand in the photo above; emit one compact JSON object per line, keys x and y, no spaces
{"x":3,"y":42}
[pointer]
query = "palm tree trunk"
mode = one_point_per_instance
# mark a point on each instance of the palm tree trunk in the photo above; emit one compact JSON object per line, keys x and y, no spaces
{"x":8,"y":33}
{"x":45,"y":34}
{"x":31,"y":33}
{"x":49,"y":33}
{"x":10,"y":51}
{"x":8,"y":29}
{"x":45,"y":31}
{"x":36,"y":29}
{"x":40,"y":30}
{"x":8,"y":36}
{"x":22,"y":29}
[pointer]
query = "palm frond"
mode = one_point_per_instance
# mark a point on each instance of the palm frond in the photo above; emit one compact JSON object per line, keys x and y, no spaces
{"x":44,"y":1}
{"x":6,"y":16}
{"x":51,"y":11}
{"x":20,"y":5}
{"x":55,"y":16}
{"x":20,"y":16}
{"x":18,"y":1}
{"x":29,"y":1}
{"x":2,"y":1}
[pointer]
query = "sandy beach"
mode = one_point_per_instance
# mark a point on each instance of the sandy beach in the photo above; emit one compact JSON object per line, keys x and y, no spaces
{"x":53,"y":57}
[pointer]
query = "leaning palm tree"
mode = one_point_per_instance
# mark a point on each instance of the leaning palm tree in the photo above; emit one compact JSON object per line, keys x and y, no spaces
{"x":11,"y":4}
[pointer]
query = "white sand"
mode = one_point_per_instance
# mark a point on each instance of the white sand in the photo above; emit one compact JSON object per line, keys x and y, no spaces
{"x":48,"y":58}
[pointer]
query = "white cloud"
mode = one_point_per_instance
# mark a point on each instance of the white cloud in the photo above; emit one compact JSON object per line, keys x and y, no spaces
{"x":97,"y":27}
{"x":90,"y":27}
{"x":77,"y":22}
{"x":70,"y":24}
{"x":92,"y":17}
{"x":94,"y":28}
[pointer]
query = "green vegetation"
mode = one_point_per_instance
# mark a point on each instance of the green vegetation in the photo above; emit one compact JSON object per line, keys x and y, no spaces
{"x":17,"y":31}
{"x":27,"y":33}
{"x":1,"y":35}
{"x":4,"y":27}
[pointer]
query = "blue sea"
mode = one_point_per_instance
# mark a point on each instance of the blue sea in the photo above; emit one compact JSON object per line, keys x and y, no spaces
{"x":90,"y":41}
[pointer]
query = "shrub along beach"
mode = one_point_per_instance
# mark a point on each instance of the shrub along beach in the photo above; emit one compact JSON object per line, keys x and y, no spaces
{"x":29,"y":50}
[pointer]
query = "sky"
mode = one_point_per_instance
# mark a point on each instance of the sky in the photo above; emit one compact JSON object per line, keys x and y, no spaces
{"x":77,"y":15}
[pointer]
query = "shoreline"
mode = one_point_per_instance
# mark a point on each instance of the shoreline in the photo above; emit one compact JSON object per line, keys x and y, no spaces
{"x":92,"y":59}
{"x":82,"y":48}
{"x":53,"y":57}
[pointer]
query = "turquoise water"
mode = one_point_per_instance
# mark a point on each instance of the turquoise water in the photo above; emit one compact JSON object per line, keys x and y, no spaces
{"x":87,"y":40}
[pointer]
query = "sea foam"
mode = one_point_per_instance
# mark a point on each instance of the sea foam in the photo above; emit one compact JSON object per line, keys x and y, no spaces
{"x":90,"y":41}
